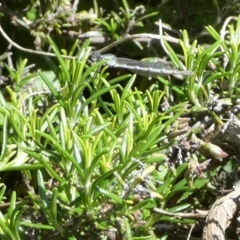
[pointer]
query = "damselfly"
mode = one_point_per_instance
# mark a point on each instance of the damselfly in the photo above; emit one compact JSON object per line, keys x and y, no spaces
{"x":150,"y":69}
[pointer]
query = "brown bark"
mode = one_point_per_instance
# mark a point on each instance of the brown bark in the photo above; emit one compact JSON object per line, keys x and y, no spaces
{"x":225,"y":210}
{"x":222,"y":213}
